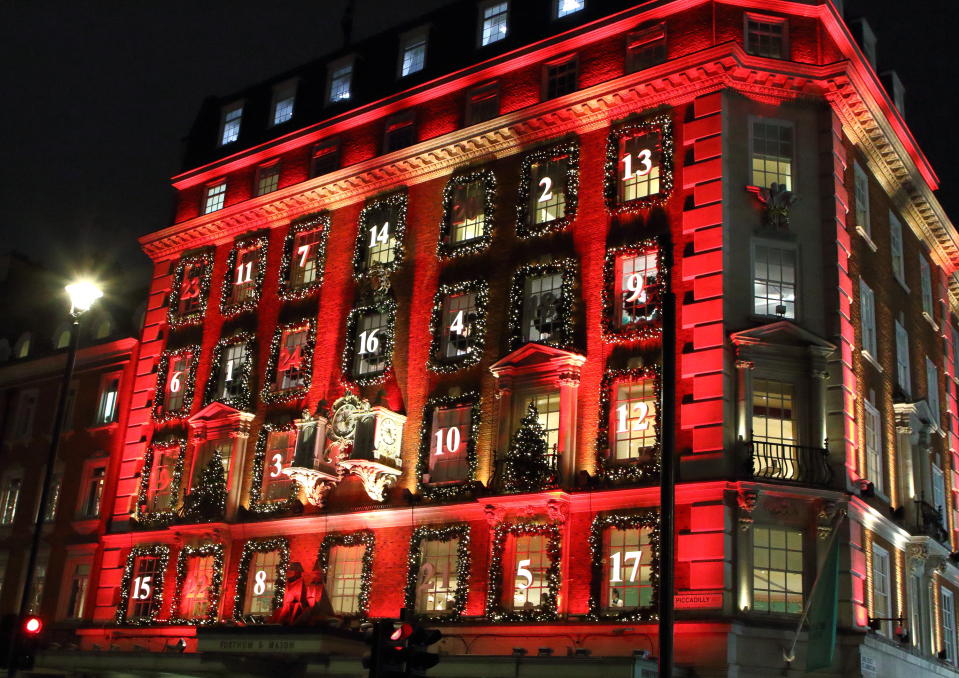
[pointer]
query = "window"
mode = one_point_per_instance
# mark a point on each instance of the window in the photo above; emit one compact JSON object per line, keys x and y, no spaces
{"x":872,"y":421}
{"x":772,"y":153}
{"x":413,"y":52}
{"x":526,"y":584}
{"x":637,"y":288}
{"x":567,"y":7}
{"x":326,"y":157}
{"x":560,"y":78}
{"x":895,"y":248}
{"x":542,"y":313}
{"x":205,"y":454}
{"x":547,"y":408}
{"x":307,"y":255}
{"x":189,"y":294}
{"x":925,"y":276}
{"x":9,"y":498}
{"x":546,"y":183}
{"x":63,"y":339}
{"x":932,"y":390}
{"x":107,"y":406}
{"x":459,"y":315}
{"x":230,"y":380}
{"x":246,"y":275}
{"x":92,"y":493}
{"x":955,"y":351}
{"x":262,"y":576}
{"x":53,"y":497}
{"x":280,"y":446}
{"x":466,"y":210}
{"x":881,"y":589}
{"x":867,"y":318}
{"x":766,"y":36}
{"x":646,"y":48}
{"x":774,"y":412}
{"x":341,"y":80}
{"x":284,"y":96}
{"x":482,"y":103}
{"x":162,"y":492}
{"x":292,"y":365}
{"x":39,"y":582}
{"x":26,"y":411}
{"x":774,"y":280}
{"x":143,"y":601}
{"x":77,"y":593}
{"x":640,"y":160}
{"x":214,"y":197}
{"x":436,"y":579}
{"x":633,"y":420}
{"x":400,"y":132}
{"x":902,"y":359}
{"x":948,"y":623}
{"x":344,"y":578}
{"x":494,"y":23}
{"x":862,"y":199}
{"x":267,"y":178}
{"x":230,"y":123}
{"x":380,"y":233}
{"x":450,"y":433}
{"x":179,"y":366}
{"x":198,"y":591}
{"x":22,"y":348}
{"x":627,"y":566}
{"x":372,"y":347}
{"x":939,"y":492}
{"x":777,"y":570}
{"x":102,"y":329}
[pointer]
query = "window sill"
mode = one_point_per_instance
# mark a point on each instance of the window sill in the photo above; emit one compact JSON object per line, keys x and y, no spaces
{"x":875,"y":363}
{"x":931,"y":322}
{"x":902,"y":283}
{"x":865,"y":236}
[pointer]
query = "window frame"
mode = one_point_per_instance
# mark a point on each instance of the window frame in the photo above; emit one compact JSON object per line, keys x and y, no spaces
{"x":162,"y":553}
{"x":903,"y":359}
{"x":100,"y":461}
{"x":446,"y":533}
{"x":766,"y":19}
{"x":289,"y":88}
{"x":403,"y":122}
{"x":567,"y":269}
{"x":641,"y":518}
{"x":567,"y":152}
{"x":160,"y":413}
{"x":243,"y":399}
{"x":476,"y":98}
{"x":66,"y":611}
{"x":782,"y":246}
{"x":395,"y":204}
{"x":786,"y":529}
{"x":387,"y":308}
{"x":481,"y":22}
{"x":948,"y":623}
{"x":932,"y":391}
{"x":411,"y":40}
{"x":453,"y":488}
{"x":552,"y":78}
{"x":439,"y":329}
{"x":642,"y":41}
{"x":861,"y":198}
{"x":627,"y":470}
{"x":782,"y":124}
{"x":875,"y":463}
{"x":214,"y":191}
{"x":267,"y":171}
{"x":613,"y":331}
{"x":897,"y":252}
{"x":333,"y":73}
{"x":6,"y":491}
{"x":504,"y":534}
{"x":661,"y":124}
{"x":867,"y":320}
{"x":259,"y":504}
{"x":925,"y":287}
{"x":175,"y":317}
{"x":229,"y":306}
{"x":145,"y":516}
{"x":28,"y":401}
{"x":364,"y":538}
{"x":225,"y":112}
{"x":272,"y":392}
{"x":280,"y":545}
{"x":328,"y":148}
{"x":557,"y":8}
{"x":881,"y":554}
{"x":320,"y":223}
{"x":446,"y":248}
{"x":105,"y":381}
{"x":210,"y":550}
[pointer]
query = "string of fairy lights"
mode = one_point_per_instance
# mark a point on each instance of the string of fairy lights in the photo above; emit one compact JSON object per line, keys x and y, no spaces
{"x":187,"y":384}
{"x":271,"y":393}
{"x":279,"y":545}
{"x":257,"y":505}
{"x":363,"y":538}
{"x":448,"y":490}
{"x":289,"y":291}
{"x":384,"y":305}
{"x":566,"y":153}
{"x":602,"y":523}
{"x":447,"y":247}
{"x":475,"y":326}
{"x":239,"y":394}
{"x":562,"y":336}
{"x":456,"y":606}
{"x":637,"y":329}
{"x":204,"y":262}
{"x":626,"y":471}
{"x":254,"y":277}
{"x":149,"y":518}
{"x":496,"y":610}
{"x":155,"y":585}
{"x":214,"y":588}
{"x":661,"y":125}
{"x":394,"y":205}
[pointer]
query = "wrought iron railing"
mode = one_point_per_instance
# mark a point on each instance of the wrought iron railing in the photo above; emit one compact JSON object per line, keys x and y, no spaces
{"x":552,"y":460}
{"x":789,"y":463}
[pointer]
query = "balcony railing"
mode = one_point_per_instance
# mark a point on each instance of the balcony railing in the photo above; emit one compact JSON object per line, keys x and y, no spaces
{"x":498,"y":481}
{"x":789,"y":463}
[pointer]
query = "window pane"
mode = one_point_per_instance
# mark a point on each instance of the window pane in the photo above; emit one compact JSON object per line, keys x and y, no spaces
{"x":777,"y":570}
{"x":634,"y":420}
{"x":344,"y":578}
{"x":639,"y":166}
{"x":542,"y":317}
{"x":449,"y":437}
{"x":436,"y":579}
{"x":772,"y":154}
{"x":627,"y":561}
{"x":261,"y":582}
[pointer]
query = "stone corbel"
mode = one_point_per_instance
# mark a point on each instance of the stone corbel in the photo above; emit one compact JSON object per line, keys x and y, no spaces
{"x":916,"y":555}
{"x":494,"y":514}
{"x":748,"y":500}
{"x":377,"y":478}
{"x":556,"y":511}
{"x":935,"y":565}
{"x":315,"y":484}
{"x":829,"y":512}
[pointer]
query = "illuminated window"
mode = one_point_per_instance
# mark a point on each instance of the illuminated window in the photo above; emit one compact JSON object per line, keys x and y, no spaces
{"x":178,"y":367}
{"x":204,"y":455}
{"x":400,"y":131}
{"x":62,"y":339}
{"x":646,"y":48}
{"x":370,"y":344}
{"x":560,"y":78}
{"x":939,"y":491}
{"x":436,"y":579}
{"x":627,"y":563}
{"x":637,"y":288}
{"x":449,"y":437}
{"x":413,"y":52}
{"x":230,"y":123}
{"x":245,"y":276}
{"x":344,"y":578}
{"x":107,"y":405}
{"x":925,"y":279}
{"x":640,"y":158}
{"x":867,"y":317}
{"x":197,"y":589}
{"x":772,"y":153}
{"x":633,"y":420}
{"x":895,"y":248}
{"x":231,"y":382}
{"x":326,"y":157}
{"x":341,"y":80}
{"x":458,"y":317}
{"x":777,"y":570}
{"x":53,"y":496}
{"x":9,"y":498}
{"x":284,"y":96}
{"x":92,"y":493}
{"x":280,"y":446}
{"x":766,"y":36}
{"x":547,"y":408}
{"x":482,"y":103}
{"x":143,"y":599}
{"x":948,"y":623}
{"x":102,"y":329}
{"x":542,"y":308}
{"x":162,"y":495}
{"x":862,"y":199}
{"x":774,"y":419}
{"x":377,"y":236}
{"x":526,"y":582}
{"x":262,"y":575}
{"x":21,"y":349}
{"x":567,"y":7}
{"x":292,"y":370}
{"x":267,"y":178}
{"x":872,"y":421}
{"x":26,"y":411}
{"x":468,"y":212}
{"x":774,"y":280}
{"x":494,"y":21}
{"x":547,"y":199}
{"x":77,"y":593}
{"x":903,"y":372}
{"x":881,"y":589}
{"x":189,"y":296}
{"x":214,"y":197}
{"x":306,"y":264}
{"x":932,"y":389}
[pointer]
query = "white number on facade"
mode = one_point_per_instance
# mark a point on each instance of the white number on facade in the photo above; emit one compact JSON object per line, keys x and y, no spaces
{"x":369,"y":343}
{"x":141,"y":588}
{"x":175,"y":382}
{"x":380,"y":235}
{"x":523,"y":571}
{"x":547,"y":185}
{"x":640,"y":422}
{"x":645,"y":164}
{"x":448,"y":440}
{"x":304,"y":252}
{"x":636,"y":288}
{"x":244,"y":273}
{"x":619,"y":559}
{"x":277,"y":465}
{"x":259,"y":588}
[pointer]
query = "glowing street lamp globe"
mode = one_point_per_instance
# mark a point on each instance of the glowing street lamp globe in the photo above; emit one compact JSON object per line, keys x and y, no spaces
{"x":83,"y":294}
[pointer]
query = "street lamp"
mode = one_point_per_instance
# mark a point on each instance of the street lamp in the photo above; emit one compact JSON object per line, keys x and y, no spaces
{"x":83,"y":294}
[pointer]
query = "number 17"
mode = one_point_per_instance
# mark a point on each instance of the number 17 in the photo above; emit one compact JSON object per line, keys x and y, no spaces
{"x":617,"y":574}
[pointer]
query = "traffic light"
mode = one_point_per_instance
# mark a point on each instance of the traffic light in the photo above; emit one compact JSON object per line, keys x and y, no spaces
{"x":418,"y":656}
{"x":28,"y":640}
{"x":387,"y":641}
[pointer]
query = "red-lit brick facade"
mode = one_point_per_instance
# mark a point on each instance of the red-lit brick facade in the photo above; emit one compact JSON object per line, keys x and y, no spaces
{"x":770,"y":385}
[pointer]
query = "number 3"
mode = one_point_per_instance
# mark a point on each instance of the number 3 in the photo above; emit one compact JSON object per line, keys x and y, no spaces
{"x":277,"y":466}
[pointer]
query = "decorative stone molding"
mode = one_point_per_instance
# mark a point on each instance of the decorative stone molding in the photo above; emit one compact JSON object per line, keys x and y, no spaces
{"x":916,"y":555}
{"x":557,"y":511}
{"x":376,"y":478}
{"x":494,"y":514}
{"x":315,"y":484}
{"x":748,"y":500}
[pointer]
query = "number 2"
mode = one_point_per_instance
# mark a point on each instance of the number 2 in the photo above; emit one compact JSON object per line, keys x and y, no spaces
{"x":547,"y":185}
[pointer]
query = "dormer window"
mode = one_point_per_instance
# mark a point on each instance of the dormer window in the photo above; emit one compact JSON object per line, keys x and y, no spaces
{"x":646,"y":48}
{"x":566,"y":7}
{"x":326,"y":157}
{"x":766,"y":36}
{"x":284,"y":96}
{"x":413,"y":52}
{"x":341,"y":80}
{"x":267,"y":178}
{"x":494,"y":21}
{"x":214,"y":197}
{"x":560,"y":77}
{"x":230,"y":120}
{"x":400,"y":131}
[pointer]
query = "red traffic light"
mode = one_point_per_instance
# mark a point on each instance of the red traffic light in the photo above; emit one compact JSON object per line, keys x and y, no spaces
{"x":402,"y":632}
{"x":32,"y":625}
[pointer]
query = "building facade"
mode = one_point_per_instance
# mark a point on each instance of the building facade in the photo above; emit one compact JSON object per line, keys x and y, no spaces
{"x":404,"y":337}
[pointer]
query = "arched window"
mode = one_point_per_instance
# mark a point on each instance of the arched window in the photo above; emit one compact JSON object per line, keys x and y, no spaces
{"x":62,"y":338}
{"x":22,"y":347}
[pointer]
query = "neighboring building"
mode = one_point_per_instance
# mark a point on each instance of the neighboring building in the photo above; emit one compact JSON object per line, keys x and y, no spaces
{"x":380,"y":260}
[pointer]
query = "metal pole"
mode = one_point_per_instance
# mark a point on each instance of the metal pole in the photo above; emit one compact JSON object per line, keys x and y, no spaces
{"x":667,"y":485}
{"x":13,"y":657}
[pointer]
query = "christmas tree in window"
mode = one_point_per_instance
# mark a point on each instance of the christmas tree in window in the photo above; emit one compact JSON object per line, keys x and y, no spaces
{"x":527,"y":467}
{"x":206,"y":501}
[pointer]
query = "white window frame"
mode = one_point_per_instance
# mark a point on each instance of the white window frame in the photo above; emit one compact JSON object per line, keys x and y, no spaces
{"x":932,"y":391}
{"x":783,"y":246}
{"x":409,"y":41}
{"x":282,"y":92}
{"x":925,"y":286}
{"x":903,"y":369}
{"x":225,"y":119}
{"x":861,"y":196}
{"x":482,"y":21}
{"x":948,"y":623}
{"x":479,"y":96}
{"x":867,"y":319}
{"x":270,"y":169}
{"x":6,"y":503}
{"x":104,"y":399}
{"x":334,"y":72}
{"x":881,"y":587}
{"x":895,"y":249}
{"x":71,"y":574}
{"x":872,"y":425}
{"x":210,"y":193}
{"x":561,"y":11}
{"x":753,"y":119}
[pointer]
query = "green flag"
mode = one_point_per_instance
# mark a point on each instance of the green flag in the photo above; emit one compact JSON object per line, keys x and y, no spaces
{"x":824,"y":613}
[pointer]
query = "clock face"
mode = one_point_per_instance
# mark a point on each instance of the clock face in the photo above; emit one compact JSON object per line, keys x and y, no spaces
{"x":343,"y":421}
{"x":388,"y":432}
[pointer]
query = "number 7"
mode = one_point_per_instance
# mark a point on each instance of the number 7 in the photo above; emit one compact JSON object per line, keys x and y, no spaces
{"x":636,"y":556}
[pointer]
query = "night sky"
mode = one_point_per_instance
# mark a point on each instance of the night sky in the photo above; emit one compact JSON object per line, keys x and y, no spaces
{"x":97,"y":95}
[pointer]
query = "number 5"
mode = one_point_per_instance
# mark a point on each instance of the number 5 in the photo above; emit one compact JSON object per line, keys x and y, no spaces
{"x":522,"y":571}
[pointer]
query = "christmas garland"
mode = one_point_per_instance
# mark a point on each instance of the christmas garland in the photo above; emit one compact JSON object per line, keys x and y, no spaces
{"x":566,"y":267}
{"x":260,"y":244}
{"x":188,"y":385}
{"x":445,"y":247}
{"x":174,"y":319}
{"x":477,"y":340}
{"x":609,"y":468}
{"x":395,"y":202}
{"x":161,"y":551}
{"x":256,"y":488}
{"x":494,"y":593}
{"x":215,"y":550}
{"x":270,"y":394}
{"x":663,"y":124}
{"x":243,"y":401}
{"x":647,"y":328}
{"x":451,"y":490}
{"x":313,"y":222}
{"x":623,"y":521}
{"x":444,"y":534}
{"x":386,"y":306}
{"x":569,"y":151}
{"x":364,"y":537}
{"x":156,"y":519}
{"x":281,"y":544}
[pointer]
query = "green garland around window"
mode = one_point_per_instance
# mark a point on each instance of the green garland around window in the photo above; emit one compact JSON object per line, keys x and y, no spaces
{"x":569,"y":151}
{"x":609,"y":468}
{"x":174,"y":319}
{"x":384,"y":305}
{"x":445,"y":247}
{"x":642,"y":329}
{"x":477,"y":338}
{"x":564,"y":310}
{"x":251,"y":547}
{"x":451,"y":490}
{"x":259,"y":243}
{"x":188,"y":385}
{"x":313,"y":222}
{"x":215,"y":588}
{"x":364,"y":537}
{"x":244,"y":399}
{"x":150,"y":520}
{"x":257,"y":505}
{"x":495,"y":609}
{"x":396,"y":203}
{"x":661,"y":123}
{"x":269,"y":393}
{"x":161,"y":551}
{"x":623,"y":521}
{"x":445,"y":533}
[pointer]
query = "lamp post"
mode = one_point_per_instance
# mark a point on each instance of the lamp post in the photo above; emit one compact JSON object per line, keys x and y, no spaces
{"x":82,"y":295}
